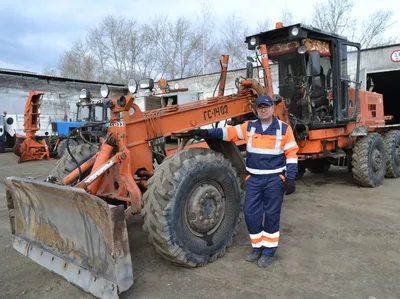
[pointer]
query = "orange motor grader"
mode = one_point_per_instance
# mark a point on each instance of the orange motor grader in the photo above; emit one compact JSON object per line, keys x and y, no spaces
{"x":73,"y":223}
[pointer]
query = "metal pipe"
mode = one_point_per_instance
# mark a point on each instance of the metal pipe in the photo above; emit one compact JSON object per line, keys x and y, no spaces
{"x":267,"y":70}
{"x":224,"y":70}
{"x":91,"y":178}
{"x":75,"y":173}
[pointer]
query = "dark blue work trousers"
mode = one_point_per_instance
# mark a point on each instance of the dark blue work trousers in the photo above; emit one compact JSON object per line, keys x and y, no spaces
{"x":264,"y":197}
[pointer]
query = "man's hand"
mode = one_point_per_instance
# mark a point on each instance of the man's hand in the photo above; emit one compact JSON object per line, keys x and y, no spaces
{"x":290,"y":187}
{"x":199,"y":133}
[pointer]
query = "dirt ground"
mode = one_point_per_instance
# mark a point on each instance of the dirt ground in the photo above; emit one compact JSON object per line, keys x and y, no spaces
{"x":337,"y":241}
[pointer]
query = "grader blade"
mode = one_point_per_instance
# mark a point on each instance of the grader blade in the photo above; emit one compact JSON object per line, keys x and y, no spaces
{"x":72,"y":233}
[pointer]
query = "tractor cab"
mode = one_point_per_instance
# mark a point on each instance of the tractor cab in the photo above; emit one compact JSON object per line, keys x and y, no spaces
{"x":318,"y":73}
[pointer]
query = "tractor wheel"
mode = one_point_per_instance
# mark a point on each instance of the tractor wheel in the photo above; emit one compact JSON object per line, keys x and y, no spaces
{"x":62,"y":147}
{"x":192,"y":206}
{"x":369,"y":160}
{"x":66,"y":164}
{"x":392,"y":144}
{"x":2,"y":146}
{"x":319,"y":166}
{"x":17,"y":146}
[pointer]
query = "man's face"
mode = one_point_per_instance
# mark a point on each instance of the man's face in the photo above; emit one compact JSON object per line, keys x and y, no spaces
{"x":265,"y":112}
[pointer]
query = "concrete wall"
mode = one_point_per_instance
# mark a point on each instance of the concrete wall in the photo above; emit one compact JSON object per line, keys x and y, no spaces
{"x":60,"y":96}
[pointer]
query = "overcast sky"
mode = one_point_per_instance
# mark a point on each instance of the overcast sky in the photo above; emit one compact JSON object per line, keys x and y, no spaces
{"x":34,"y":34}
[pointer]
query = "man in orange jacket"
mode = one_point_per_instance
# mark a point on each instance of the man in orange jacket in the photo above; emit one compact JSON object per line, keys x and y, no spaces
{"x":271,"y":162}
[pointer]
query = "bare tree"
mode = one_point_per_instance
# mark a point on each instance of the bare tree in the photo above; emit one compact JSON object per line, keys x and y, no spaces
{"x":337,"y":16}
{"x":263,"y":26}
{"x":78,"y":63}
{"x":49,"y":71}
{"x":287,"y":17}
{"x":233,"y":35}
{"x":95,"y":43}
{"x":372,"y":29}
{"x":334,"y":16}
{"x":176,"y":42}
{"x":148,"y":60}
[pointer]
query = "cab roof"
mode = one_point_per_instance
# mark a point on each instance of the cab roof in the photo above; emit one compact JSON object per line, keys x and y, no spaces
{"x":284,"y":34}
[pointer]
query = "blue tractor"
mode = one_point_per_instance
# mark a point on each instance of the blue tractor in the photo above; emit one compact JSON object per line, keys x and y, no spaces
{"x":87,"y":127}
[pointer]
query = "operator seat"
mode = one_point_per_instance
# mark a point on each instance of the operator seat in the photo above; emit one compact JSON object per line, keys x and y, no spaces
{"x":318,"y":95}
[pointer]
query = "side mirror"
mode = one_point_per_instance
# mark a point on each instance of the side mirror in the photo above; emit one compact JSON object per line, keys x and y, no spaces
{"x":249,"y":70}
{"x":315,"y":63}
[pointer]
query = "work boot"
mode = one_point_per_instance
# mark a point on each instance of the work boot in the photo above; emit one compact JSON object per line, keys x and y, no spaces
{"x":253,"y":256}
{"x":264,"y":261}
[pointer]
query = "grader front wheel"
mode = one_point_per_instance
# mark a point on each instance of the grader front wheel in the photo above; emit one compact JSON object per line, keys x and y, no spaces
{"x":369,"y":160}
{"x":191,"y":208}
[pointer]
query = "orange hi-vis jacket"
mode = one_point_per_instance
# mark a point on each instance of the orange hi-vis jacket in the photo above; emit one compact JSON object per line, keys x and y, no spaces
{"x":273,"y":151}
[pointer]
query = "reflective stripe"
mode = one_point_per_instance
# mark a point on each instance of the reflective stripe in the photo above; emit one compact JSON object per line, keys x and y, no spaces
{"x":262,"y":151}
{"x":257,"y":245}
{"x":274,"y":235}
{"x":259,"y":171}
{"x":239,"y":132}
{"x":224,"y":134}
{"x":264,"y":239}
{"x":256,"y":236}
{"x":256,"y":240}
{"x":278,"y":136}
{"x":269,"y":244}
{"x":291,"y":161}
{"x":252,"y":130}
{"x":289,"y":145}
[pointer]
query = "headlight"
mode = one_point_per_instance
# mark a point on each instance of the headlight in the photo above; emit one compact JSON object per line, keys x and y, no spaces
{"x":301,"y":50}
{"x":132,"y":85}
{"x":253,"y":41}
{"x":295,"y":31}
{"x":104,"y":91}
{"x":146,"y":84}
{"x":176,"y":85}
{"x":84,"y":95}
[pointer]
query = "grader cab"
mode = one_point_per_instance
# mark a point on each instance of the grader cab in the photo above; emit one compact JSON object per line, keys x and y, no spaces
{"x":333,"y":120}
{"x":73,"y":223}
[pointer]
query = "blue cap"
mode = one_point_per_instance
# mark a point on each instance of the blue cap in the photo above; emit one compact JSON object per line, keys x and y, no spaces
{"x":266,"y":100}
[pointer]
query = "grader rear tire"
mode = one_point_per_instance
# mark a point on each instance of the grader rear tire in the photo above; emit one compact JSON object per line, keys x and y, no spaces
{"x":66,"y":164}
{"x":369,"y":160}
{"x":392,"y":144}
{"x":192,"y":206}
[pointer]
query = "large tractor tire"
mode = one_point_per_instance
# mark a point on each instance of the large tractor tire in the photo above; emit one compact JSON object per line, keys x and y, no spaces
{"x":369,"y":160}
{"x":2,"y":146}
{"x":66,"y":164}
{"x":392,"y":144}
{"x":62,"y":147}
{"x":192,"y":206}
